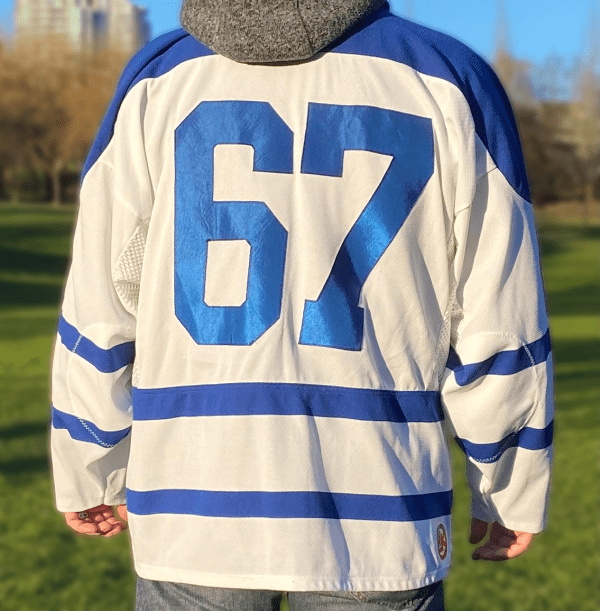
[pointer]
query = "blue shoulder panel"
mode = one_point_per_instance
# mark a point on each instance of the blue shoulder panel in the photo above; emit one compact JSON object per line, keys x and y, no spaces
{"x":429,"y":52}
{"x":157,"y":58}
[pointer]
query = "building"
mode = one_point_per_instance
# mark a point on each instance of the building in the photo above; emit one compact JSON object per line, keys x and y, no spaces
{"x":85,"y":25}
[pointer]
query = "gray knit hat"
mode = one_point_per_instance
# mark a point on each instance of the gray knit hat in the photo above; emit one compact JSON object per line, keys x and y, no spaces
{"x":265,"y":31}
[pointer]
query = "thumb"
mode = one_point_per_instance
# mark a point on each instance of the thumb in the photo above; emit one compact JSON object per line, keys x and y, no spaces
{"x":479,"y":529}
{"x":122,"y":511}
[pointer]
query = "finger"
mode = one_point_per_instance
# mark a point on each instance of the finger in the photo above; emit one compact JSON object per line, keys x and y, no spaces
{"x":83,"y":527}
{"x":112,"y":526}
{"x":503,"y":539}
{"x":504,"y":542}
{"x":86,"y":522}
{"x":105,"y":527}
{"x":479,"y":529}
{"x":115,"y":530}
{"x":113,"y":520}
{"x":102,"y":514}
{"x":492,"y":551}
{"x":501,"y":531}
{"x":97,"y":521}
{"x":122,"y":511}
{"x":521,"y":545}
{"x":76,"y":520}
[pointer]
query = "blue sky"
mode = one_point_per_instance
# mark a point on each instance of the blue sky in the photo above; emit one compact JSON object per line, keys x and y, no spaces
{"x":538,"y":28}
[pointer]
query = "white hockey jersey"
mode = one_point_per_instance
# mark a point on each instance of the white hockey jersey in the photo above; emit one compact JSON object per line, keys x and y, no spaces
{"x":288,"y":283}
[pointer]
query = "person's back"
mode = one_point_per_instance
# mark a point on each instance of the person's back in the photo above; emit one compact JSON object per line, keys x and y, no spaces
{"x":325,"y":264}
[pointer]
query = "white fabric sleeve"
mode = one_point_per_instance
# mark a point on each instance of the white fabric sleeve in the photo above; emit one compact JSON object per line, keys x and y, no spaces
{"x":95,"y":345}
{"x":497,"y":388}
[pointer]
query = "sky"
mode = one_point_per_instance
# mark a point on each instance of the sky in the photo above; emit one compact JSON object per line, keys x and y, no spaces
{"x":537,"y":29}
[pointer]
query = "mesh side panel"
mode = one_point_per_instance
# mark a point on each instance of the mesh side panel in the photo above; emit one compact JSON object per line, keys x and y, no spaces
{"x":128,"y":269}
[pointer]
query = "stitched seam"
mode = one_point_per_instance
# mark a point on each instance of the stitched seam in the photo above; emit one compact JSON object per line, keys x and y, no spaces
{"x":74,"y":350}
{"x":89,"y":430}
{"x":528,"y":352}
{"x":505,"y":446}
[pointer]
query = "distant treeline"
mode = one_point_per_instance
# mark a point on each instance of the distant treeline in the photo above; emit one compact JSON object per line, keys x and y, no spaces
{"x":560,"y":133}
{"x":52,"y":102}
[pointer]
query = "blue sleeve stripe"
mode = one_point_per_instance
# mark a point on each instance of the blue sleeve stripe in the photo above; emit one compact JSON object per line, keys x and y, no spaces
{"x":436,"y":54}
{"x":106,"y":361}
{"x":249,"y":399}
{"x":527,"y":438}
{"x":300,"y":505}
{"x":157,"y":58}
{"x":503,"y":363}
{"x":84,"y":430}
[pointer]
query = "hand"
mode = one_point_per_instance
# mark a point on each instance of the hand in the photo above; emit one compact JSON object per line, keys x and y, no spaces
{"x":503,"y":543}
{"x":99,"y":520}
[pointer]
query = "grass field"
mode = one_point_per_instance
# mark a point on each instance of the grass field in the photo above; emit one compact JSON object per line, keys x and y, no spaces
{"x":43,"y":566}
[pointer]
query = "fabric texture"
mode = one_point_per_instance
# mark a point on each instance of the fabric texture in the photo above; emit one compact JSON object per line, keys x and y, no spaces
{"x":268,"y":31}
{"x":290,"y":284}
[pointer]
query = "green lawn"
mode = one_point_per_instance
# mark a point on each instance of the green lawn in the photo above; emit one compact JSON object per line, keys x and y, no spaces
{"x":44,"y":566}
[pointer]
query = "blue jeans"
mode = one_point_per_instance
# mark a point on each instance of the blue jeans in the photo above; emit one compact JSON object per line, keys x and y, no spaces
{"x":166,"y":596}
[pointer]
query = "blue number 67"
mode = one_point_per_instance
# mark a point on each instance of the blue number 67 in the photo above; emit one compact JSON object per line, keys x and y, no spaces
{"x":334,"y":319}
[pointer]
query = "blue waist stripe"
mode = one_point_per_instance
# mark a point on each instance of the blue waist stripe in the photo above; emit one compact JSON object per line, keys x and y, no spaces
{"x":324,"y":505}
{"x":84,"y":430}
{"x":253,"y":399}
{"x":527,"y":438}
{"x":106,"y":361}
{"x":501,"y":364}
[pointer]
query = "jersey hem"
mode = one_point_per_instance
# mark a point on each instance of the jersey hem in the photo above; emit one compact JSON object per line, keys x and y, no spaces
{"x":288,"y":583}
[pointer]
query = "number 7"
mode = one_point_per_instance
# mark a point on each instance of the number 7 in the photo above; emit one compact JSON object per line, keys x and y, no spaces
{"x":335,"y":319}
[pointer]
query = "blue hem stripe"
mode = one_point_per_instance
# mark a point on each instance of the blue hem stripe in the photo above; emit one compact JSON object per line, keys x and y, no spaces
{"x":106,"y":361}
{"x":84,"y":430}
{"x":252,"y":399}
{"x":317,"y":505}
{"x":503,"y":363}
{"x":527,"y":438}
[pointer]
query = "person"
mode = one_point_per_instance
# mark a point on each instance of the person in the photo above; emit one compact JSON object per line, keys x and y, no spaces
{"x":305,"y":258}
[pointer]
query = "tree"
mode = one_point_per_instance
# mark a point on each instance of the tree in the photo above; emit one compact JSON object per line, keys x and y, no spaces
{"x":581,"y":125}
{"x":15,"y":111}
{"x":548,"y":177}
{"x":52,"y":100}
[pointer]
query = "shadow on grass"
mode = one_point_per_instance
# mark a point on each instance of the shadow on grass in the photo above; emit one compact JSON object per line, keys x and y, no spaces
{"x":575,"y":300}
{"x":29,"y":292}
{"x":576,"y":378}
{"x":15,"y":294}
{"x":582,"y":356}
{"x":15,"y":260}
{"x":26,"y":449}
{"x":23,"y":429}
{"x":53,"y":226}
{"x":18,"y":256}
{"x":556,"y":238}
{"x":18,"y":467}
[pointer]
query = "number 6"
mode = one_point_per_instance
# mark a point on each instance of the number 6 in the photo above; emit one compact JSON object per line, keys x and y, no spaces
{"x":199,"y":219}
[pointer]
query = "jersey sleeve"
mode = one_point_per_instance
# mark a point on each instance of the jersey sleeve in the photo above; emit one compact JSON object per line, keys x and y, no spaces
{"x":95,"y":346}
{"x":497,"y":388}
